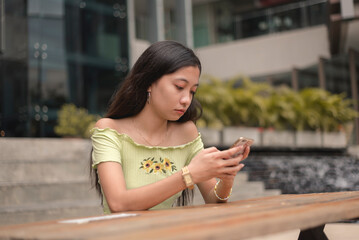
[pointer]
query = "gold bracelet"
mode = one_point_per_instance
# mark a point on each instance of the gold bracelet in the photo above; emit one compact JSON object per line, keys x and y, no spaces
{"x":187,"y":177}
{"x":215,"y":192}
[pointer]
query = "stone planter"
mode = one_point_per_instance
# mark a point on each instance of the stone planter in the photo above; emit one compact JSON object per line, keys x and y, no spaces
{"x":334,"y":140}
{"x":210,"y":137}
{"x":231,"y":134}
{"x":308,"y":139}
{"x":271,"y":138}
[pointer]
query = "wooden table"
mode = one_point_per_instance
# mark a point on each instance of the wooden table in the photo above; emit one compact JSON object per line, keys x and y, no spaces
{"x":236,"y":220}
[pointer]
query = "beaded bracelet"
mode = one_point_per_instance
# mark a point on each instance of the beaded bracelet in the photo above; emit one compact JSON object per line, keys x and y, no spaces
{"x":215,"y":192}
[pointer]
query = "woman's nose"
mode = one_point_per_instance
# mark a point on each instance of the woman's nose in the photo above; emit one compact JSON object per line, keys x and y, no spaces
{"x":186,"y":99}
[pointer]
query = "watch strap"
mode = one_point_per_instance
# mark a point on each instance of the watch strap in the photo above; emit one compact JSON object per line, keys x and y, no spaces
{"x":186,"y":175}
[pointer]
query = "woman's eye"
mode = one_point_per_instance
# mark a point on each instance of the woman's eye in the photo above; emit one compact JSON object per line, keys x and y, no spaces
{"x":179,"y":87}
{"x":193,"y":92}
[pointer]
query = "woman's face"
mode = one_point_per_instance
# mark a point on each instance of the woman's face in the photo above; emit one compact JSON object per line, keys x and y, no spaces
{"x":172,"y":94}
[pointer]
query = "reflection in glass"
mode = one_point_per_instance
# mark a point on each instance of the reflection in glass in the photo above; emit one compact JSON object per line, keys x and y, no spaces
{"x":64,"y":51}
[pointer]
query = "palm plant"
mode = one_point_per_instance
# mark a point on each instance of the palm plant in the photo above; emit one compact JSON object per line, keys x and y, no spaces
{"x":250,"y":107}
{"x":74,"y":122}
{"x":326,"y":111}
{"x":281,"y":109}
{"x":260,"y":105}
{"x":213,"y":95}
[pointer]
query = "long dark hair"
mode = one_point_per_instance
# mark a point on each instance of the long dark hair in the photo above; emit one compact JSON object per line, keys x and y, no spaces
{"x":161,"y":58}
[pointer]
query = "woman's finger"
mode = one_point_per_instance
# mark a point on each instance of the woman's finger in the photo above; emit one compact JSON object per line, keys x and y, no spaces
{"x":210,"y":150}
{"x":232,"y":170}
{"x":246,"y":152}
{"x":231,"y":162}
{"x":239,"y":158}
{"x":230,"y":177}
{"x":226,"y":154}
{"x":241,"y":166}
{"x":226,"y":177}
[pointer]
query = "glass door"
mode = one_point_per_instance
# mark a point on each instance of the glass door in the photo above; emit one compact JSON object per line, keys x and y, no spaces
{"x":47,"y":64}
{"x":13,"y":69}
{"x":78,"y":53}
{"x":54,"y":52}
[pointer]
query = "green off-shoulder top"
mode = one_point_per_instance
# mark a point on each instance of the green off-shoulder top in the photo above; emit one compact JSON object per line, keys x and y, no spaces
{"x":141,"y":164}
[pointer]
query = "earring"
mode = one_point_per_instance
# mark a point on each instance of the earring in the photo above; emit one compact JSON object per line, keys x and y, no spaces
{"x":148,"y":97}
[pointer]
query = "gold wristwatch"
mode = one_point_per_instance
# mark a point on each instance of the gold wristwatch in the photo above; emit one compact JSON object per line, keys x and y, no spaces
{"x":187,"y":178}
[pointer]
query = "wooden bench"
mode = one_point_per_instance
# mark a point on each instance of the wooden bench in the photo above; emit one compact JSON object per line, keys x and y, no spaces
{"x":235,"y":220}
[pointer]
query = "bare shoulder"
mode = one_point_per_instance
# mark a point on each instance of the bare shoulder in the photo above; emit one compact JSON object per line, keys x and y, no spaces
{"x":120,"y":125}
{"x":105,"y":123}
{"x":186,"y":131}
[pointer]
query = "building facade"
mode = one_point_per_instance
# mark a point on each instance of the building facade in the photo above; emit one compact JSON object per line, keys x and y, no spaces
{"x":61,"y":51}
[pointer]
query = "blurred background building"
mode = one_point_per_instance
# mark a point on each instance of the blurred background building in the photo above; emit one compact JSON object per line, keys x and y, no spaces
{"x":59,"y":51}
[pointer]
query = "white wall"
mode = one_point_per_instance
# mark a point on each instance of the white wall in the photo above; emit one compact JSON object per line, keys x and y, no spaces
{"x":138,"y":46}
{"x":353,"y":36}
{"x":267,"y":54}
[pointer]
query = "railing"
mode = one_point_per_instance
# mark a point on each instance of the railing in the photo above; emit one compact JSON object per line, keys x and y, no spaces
{"x":280,"y":18}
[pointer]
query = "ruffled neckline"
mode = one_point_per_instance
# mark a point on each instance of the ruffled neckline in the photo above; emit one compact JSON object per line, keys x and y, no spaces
{"x":128,"y":138}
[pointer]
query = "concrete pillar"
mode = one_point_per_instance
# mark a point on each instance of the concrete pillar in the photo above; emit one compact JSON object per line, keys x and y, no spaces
{"x":156,"y":18}
{"x":295,"y":79}
{"x":354,"y":86}
{"x":2,"y":26}
{"x":321,"y":73}
{"x":184,"y":25}
{"x":131,"y":26}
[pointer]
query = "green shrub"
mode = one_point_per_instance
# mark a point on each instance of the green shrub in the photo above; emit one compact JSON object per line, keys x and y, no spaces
{"x":325,"y":111}
{"x":261,"y":105}
{"x":74,"y":122}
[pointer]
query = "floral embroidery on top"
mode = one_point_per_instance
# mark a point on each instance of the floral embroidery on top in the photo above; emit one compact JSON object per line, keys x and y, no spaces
{"x":147,"y":165}
{"x":150,"y":165}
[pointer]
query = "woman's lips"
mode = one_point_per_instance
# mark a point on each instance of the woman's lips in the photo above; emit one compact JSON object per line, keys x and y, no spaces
{"x":181,"y":111}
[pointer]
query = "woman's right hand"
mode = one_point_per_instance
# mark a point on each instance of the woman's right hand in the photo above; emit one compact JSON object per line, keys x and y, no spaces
{"x":213,"y":163}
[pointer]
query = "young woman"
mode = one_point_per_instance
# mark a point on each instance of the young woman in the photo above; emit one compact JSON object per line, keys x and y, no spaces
{"x":147,"y":149}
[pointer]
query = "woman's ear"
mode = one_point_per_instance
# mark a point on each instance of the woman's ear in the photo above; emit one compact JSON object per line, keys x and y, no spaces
{"x":149,"y":89}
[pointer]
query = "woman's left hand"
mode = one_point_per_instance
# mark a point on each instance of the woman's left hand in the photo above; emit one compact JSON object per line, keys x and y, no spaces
{"x":227,"y":175}
{"x":228,"y":179}
{"x":246,"y":152}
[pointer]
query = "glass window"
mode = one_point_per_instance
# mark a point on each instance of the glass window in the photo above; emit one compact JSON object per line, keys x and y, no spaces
{"x":59,"y":51}
{"x":317,"y":14}
{"x":142,"y":19}
{"x":200,"y":25}
{"x":223,"y":21}
{"x":254,"y":25}
{"x":285,"y":19}
{"x":14,"y":112}
{"x":308,"y":77}
{"x":337,"y":75}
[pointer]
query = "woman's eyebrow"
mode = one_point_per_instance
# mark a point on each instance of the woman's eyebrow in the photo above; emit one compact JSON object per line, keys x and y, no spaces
{"x":185,"y":80}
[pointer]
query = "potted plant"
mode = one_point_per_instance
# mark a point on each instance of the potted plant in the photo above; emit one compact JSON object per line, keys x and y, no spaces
{"x":279,"y":118}
{"x":332,"y":111}
{"x":273,"y":117}
{"x":229,"y":109}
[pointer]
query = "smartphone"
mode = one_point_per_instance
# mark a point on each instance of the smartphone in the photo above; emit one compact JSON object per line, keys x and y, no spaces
{"x":242,"y":141}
